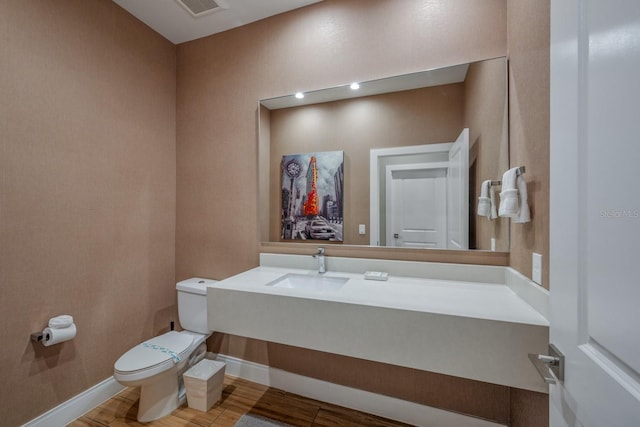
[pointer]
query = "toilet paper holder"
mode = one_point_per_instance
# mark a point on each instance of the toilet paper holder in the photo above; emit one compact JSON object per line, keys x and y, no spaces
{"x":60,"y":329}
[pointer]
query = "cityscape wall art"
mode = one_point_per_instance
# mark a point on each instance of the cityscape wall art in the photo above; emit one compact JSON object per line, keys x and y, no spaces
{"x":312,"y":196}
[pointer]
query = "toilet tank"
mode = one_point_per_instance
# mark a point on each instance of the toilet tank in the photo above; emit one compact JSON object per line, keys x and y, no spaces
{"x":192,"y":304}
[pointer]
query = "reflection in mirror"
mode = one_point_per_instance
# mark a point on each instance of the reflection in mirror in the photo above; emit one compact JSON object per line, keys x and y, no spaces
{"x":416,"y":150}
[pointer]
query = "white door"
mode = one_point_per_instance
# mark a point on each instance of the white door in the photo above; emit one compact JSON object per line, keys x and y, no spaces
{"x":379,"y":159}
{"x":595,"y":211}
{"x":416,"y":206}
{"x":458,"y":193}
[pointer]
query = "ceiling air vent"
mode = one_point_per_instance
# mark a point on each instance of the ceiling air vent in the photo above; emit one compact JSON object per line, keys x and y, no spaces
{"x":198,"y":8}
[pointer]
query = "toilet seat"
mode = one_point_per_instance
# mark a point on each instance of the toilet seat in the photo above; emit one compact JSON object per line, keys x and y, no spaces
{"x":154,"y":356}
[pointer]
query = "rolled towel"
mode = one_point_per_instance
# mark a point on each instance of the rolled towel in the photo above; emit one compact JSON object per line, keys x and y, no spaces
{"x":509,"y":206}
{"x":484,"y":207}
{"x":486,"y":201}
{"x":494,"y":205}
{"x":524,"y":215}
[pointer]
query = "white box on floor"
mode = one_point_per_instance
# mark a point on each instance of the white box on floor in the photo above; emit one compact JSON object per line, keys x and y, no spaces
{"x":204,"y":382}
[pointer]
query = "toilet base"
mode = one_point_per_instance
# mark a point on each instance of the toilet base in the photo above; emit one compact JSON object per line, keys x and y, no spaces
{"x":165,"y":393}
{"x":158,"y":399}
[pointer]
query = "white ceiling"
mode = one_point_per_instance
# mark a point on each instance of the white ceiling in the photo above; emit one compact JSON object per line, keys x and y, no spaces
{"x":172,"y":21}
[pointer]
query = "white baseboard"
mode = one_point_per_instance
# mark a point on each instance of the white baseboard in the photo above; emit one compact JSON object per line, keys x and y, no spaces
{"x":78,"y":405}
{"x":372,"y":403}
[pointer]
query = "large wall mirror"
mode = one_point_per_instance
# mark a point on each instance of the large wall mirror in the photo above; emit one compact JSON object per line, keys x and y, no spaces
{"x":416,"y":149}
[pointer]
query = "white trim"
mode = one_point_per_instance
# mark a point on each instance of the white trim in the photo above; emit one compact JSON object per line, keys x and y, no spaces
{"x":78,"y":405}
{"x":417,"y":166}
{"x":374,"y":184}
{"x":372,"y":403}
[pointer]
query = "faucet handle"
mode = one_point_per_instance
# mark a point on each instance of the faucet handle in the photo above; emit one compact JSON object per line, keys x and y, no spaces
{"x":320,"y":252}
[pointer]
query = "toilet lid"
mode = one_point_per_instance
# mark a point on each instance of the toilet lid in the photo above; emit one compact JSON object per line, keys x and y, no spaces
{"x":163,"y":348}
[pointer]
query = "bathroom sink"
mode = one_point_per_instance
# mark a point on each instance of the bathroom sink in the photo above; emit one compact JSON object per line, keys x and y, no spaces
{"x":309,"y":283}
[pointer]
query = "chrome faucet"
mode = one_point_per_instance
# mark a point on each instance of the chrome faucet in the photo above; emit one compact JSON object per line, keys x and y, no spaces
{"x":320,"y":256}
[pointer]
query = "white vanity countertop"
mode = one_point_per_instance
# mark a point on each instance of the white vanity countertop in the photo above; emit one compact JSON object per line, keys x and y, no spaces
{"x":487,"y":301}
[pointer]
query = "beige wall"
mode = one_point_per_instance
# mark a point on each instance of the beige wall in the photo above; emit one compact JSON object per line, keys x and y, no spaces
{"x":486,"y":116}
{"x":221,"y":78}
{"x":412,"y":117}
{"x":528,"y":35}
{"x":89,"y":221}
{"x":497,"y":403}
{"x":87,"y":194}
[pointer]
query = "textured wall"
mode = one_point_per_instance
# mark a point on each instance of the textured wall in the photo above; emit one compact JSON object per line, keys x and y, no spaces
{"x":486,"y":116}
{"x":88,"y":166}
{"x":528,"y":35}
{"x":220,"y":80}
{"x":222,"y":77}
{"x":505,"y":405}
{"x":411,"y":117}
{"x":87,"y":194}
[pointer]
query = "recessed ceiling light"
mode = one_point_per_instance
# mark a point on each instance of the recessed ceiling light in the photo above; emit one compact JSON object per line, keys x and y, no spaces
{"x":299,"y":95}
{"x":354,"y":86}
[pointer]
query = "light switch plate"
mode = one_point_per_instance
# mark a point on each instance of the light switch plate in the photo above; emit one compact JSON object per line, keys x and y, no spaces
{"x":362,"y":229}
{"x":536,"y":269}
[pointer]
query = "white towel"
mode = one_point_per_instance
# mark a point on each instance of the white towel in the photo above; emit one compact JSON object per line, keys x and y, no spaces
{"x":487,"y":201}
{"x":525,"y":214}
{"x":513,"y":197}
{"x":509,"y":195}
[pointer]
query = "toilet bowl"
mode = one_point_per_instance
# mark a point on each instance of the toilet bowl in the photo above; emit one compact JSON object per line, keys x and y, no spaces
{"x":157,"y":364}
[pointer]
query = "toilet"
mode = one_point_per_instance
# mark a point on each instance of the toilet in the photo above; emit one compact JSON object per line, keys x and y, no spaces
{"x":157,"y":364}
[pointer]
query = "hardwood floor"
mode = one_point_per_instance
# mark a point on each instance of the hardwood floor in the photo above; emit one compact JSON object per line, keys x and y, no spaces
{"x":239,"y":397}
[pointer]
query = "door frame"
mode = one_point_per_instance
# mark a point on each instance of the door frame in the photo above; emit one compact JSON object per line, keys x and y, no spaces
{"x":375,"y":156}
{"x":459,"y":217}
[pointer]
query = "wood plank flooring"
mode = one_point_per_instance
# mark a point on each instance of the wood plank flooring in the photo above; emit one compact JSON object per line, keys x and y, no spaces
{"x":239,"y":397}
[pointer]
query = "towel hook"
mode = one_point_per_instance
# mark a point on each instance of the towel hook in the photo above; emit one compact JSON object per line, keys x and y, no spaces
{"x":495,"y":183}
{"x":520,"y":170}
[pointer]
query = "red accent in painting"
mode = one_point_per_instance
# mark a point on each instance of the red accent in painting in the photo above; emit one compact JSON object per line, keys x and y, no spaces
{"x":311,"y":206}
